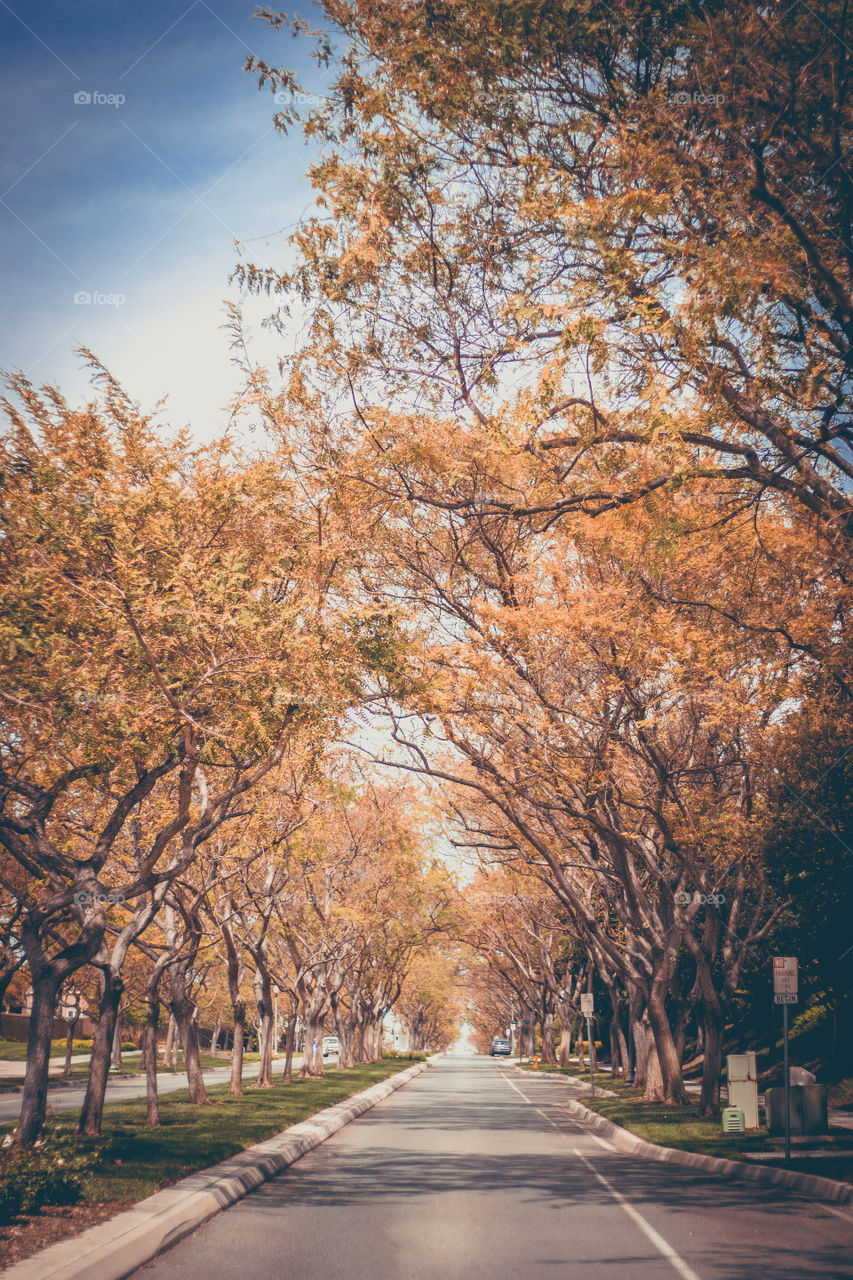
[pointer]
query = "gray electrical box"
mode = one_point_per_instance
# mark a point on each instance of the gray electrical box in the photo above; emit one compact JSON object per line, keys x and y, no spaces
{"x":808,"y":1109}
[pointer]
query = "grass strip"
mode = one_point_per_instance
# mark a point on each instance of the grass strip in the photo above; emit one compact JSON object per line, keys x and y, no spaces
{"x":685,"y":1130}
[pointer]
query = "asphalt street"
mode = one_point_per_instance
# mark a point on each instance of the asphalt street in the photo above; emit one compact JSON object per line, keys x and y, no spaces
{"x":471,"y":1171}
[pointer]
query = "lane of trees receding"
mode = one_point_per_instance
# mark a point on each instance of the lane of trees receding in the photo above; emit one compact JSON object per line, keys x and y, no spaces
{"x":555,"y":491}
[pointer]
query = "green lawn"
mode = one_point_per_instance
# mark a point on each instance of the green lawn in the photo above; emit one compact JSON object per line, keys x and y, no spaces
{"x":684,"y":1129}
{"x":16,"y":1050}
{"x":136,"y":1161}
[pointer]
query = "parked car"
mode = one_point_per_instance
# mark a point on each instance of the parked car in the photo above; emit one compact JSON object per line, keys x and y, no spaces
{"x":501,"y":1047}
{"x":331,"y":1046}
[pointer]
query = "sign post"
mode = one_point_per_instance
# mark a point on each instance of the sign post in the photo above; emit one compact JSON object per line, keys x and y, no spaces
{"x":785,"y":992}
{"x":587,"y":1010}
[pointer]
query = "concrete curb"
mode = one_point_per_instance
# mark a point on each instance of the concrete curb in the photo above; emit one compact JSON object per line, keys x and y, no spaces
{"x":623,"y":1140}
{"x":112,"y":1250}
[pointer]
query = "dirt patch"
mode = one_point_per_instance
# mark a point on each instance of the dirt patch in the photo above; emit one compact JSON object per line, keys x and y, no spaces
{"x":33,"y":1231}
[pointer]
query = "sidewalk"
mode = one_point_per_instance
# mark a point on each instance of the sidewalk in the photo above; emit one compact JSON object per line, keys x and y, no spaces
{"x":16,"y":1069}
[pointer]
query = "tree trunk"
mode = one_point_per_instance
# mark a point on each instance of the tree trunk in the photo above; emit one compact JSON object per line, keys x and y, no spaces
{"x":713,"y":1027}
{"x":548,"y":1054}
{"x":92,"y":1111}
{"x":579,"y":1028}
{"x":358,"y":1053}
{"x":266,"y":1031}
{"x":672,"y":1087}
{"x":214,"y":1039}
{"x":312,"y":1062}
{"x":184,"y":1011}
{"x":152,"y":1118}
{"x":170,"y":1047}
{"x":236,"y":1085}
{"x":289,"y":1044}
{"x":643,"y":1047}
{"x":117,"y":1034}
{"x":34,"y":1100}
{"x":619,"y":1045}
{"x":69,"y":1045}
{"x":565,"y":1043}
{"x":345,"y":1035}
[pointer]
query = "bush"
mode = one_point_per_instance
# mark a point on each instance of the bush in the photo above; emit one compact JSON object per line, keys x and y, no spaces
{"x":51,"y":1173}
{"x":404,"y":1057}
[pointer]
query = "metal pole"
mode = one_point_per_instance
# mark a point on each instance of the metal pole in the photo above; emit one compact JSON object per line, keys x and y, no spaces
{"x":591,"y":1052}
{"x":787,"y":1083}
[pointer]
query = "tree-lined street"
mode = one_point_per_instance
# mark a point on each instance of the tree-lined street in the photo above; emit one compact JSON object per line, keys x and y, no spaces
{"x":481,"y":676}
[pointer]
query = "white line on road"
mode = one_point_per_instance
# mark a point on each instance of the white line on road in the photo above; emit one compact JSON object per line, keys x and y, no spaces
{"x":662,"y":1246}
{"x":517,"y":1090}
{"x":839,"y":1213}
{"x":602,"y":1142}
{"x":607,"y":1146}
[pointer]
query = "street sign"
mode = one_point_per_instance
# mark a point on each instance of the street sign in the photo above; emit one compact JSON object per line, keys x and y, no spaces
{"x":785,"y":991}
{"x":587,"y":1004}
{"x":785,"y":980}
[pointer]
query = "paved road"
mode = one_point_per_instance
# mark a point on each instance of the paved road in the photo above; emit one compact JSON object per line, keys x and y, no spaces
{"x":123,"y":1088}
{"x":470,"y":1172}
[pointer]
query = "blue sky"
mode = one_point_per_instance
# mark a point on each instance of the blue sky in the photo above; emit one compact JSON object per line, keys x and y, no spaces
{"x":137,"y":203}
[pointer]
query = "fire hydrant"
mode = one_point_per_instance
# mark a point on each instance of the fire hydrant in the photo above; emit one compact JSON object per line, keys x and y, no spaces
{"x":534,"y":1062}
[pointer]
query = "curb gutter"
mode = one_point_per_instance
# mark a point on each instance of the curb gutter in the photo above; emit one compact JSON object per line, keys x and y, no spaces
{"x":624,"y":1140}
{"x":113,"y":1249}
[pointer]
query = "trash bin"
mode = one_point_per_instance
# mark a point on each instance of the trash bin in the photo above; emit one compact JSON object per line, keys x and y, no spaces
{"x":815,"y":1113}
{"x":808,"y":1109}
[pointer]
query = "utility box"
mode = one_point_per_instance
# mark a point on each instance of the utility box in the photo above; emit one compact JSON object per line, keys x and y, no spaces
{"x":733,"y":1120}
{"x":815,"y":1112}
{"x":808,"y":1109}
{"x":741,"y":1066}
{"x":743,"y":1086}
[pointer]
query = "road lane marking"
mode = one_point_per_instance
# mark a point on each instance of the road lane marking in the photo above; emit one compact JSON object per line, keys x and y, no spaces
{"x":544,"y":1116}
{"x":517,"y":1090}
{"x":663,"y":1247}
{"x":839,"y":1213}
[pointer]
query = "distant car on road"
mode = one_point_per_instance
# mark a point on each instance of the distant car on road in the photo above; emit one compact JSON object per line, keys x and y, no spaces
{"x":501,"y":1047}
{"x":331,"y":1047}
